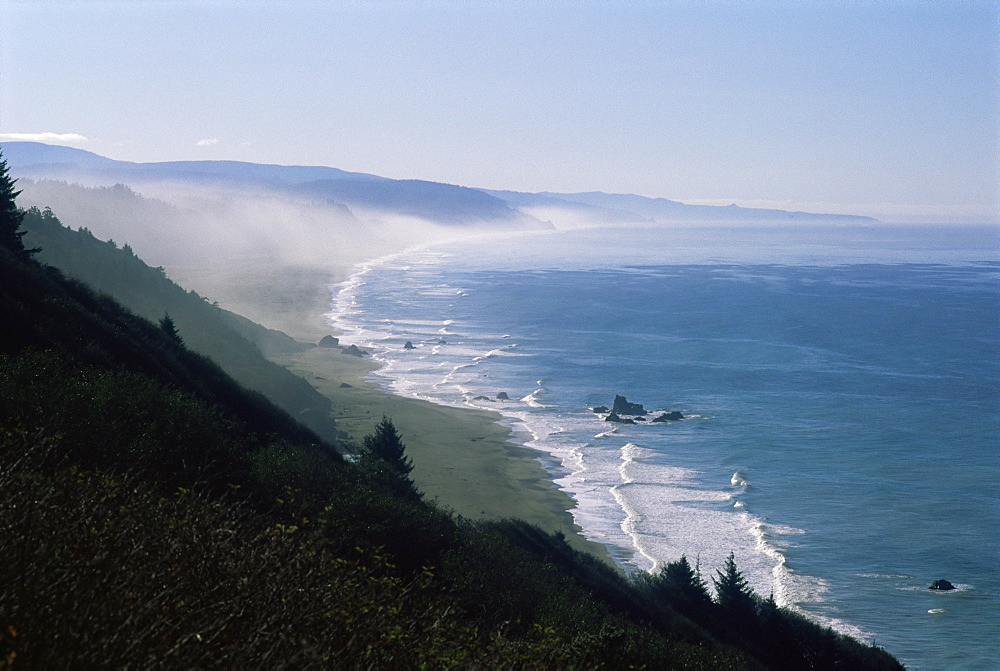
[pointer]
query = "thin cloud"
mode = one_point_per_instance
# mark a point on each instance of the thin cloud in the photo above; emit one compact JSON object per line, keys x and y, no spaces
{"x":207,"y":142}
{"x":49,"y":138}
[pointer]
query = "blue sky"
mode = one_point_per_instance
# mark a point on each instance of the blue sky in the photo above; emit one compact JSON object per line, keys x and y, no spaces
{"x":883,"y":108}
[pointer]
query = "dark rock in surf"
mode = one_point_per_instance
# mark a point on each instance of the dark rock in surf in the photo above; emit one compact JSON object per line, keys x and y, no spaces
{"x":502,"y":396}
{"x":483,"y":398}
{"x":353,"y":351}
{"x":615,"y":417}
{"x":672,"y":416}
{"x":601,"y":409}
{"x":408,"y":345}
{"x":942,"y":586}
{"x":623,"y":407}
{"x":329,"y":341}
{"x":344,"y":385}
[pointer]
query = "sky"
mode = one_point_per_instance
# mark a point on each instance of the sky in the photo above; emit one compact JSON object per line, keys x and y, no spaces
{"x":885,"y":108}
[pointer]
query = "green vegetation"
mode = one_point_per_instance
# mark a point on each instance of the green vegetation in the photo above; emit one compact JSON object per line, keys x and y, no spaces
{"x":386,"y":445}
{"x":236,"y":344}
{"x":10,"y":215}
{"x":154,"y":513}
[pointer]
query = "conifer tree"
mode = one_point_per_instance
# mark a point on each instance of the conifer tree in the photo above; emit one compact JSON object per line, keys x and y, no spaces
{"x":168,"y":326}
{"x":681,"y":578}
{"x":10,"y":214}
{"x":732,"y":590}
{"x":680,"y":584}
{"x":385,"y":444}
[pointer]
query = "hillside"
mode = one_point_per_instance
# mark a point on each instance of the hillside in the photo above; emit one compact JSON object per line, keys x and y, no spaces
{"x":155,"y":513}
{"x":235,"y":343}
{"x":442,"y":203}
{"x":432,"y":201}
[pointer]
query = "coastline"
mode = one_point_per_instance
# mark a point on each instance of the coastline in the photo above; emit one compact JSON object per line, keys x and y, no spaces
{"x":463,"y":458}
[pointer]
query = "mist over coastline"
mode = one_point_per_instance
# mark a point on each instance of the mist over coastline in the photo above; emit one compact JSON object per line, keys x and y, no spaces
{"x":284,"y":245}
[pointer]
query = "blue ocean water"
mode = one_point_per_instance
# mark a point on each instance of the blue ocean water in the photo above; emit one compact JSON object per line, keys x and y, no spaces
{"x":841,"y":388}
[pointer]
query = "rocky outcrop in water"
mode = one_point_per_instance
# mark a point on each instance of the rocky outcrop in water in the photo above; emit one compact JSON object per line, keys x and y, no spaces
{"x":615,"y":417}
{"x":672,"y":416}
{"x":623,"y":407}
{"x":502,"y":396}
{"x":601,"y":409}
{"x":353,"y":351}
{"x":942,"y":585}
{"x":329,"y":341}
{"x":408,"y":345}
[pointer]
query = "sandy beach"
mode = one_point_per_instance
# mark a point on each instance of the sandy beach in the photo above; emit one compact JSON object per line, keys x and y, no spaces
{"x":462,"y":458}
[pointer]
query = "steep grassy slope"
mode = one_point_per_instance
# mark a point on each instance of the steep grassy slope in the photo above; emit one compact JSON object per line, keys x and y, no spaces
{"x":156,"y":514}
{"x":233,"y":342}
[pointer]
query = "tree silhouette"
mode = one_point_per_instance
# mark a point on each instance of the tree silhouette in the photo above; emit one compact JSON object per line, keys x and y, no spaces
{"x":168,"y":326}
{"x":680,"y":584}
{"x":385,"y":444}
{"x":684,"y":580}
{"x":732,"y":590}
{"x":10,"y":214}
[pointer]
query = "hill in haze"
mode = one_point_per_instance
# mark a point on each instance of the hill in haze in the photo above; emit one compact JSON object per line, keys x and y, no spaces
{"x":432,"y":201}
{"x":237,"y":344}
{"x":156,"y":513}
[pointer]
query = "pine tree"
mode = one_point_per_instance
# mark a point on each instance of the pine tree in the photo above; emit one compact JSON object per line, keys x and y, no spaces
{"x":732,"y":590}
{"x":10,"y":214}
{"x":684,"y":587}
{"x":385,"y":444}
{"x":168,"y":326}
{"x":680,"y":577}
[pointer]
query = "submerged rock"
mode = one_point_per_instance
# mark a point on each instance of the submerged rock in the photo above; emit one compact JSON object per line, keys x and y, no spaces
{"x":329,"y":341}
{"x":623,"y":407}
{"x":942,"y":585}
{"x":615,"y":417}
{"x":601,"y":409}
{"x":672,"y":416}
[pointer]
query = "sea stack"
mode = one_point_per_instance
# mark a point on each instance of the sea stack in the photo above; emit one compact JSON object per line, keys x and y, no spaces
{"x":623,"y":407}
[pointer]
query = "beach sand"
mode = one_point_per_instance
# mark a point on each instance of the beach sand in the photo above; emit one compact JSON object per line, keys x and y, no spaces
{"x":462,"y":458}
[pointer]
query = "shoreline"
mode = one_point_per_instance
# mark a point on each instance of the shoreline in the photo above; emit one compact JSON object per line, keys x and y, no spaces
{"x":464,"y":459}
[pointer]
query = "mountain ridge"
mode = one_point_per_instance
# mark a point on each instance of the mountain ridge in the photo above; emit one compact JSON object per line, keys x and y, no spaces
{"x":435,"y":201}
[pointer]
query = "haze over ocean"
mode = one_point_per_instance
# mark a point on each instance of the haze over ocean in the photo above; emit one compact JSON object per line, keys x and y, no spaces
{"x":840,"y":386}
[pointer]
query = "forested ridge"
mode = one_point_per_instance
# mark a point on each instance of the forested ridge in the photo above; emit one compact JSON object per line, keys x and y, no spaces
{"x":156,"y":514}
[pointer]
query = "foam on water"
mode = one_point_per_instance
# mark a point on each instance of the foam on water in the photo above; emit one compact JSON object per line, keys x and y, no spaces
{"x":625,"y":495}
{"x":732,"y":474}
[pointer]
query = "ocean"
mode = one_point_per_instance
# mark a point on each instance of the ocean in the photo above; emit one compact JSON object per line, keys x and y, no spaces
{"x":840,"y":388}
